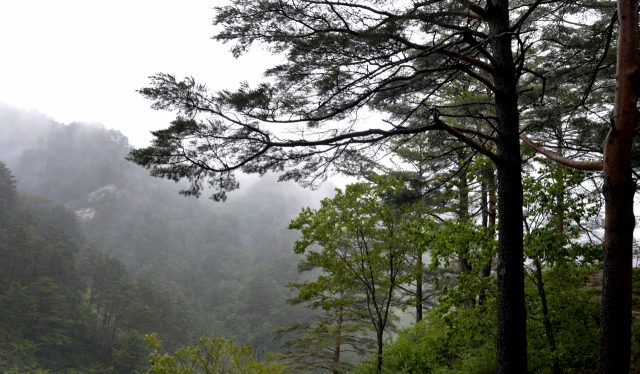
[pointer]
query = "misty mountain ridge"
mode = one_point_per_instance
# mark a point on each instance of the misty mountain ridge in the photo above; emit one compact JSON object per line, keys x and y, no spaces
{"x":32,"y":142}
{"x":229,"y":261}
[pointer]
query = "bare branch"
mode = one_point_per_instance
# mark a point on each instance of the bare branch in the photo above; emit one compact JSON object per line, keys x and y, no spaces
{"x":575,"y":164}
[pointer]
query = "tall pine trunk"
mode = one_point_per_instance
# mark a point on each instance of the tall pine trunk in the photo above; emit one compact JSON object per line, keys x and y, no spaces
{"x":619,"y":189}
{"x":511,"y":339}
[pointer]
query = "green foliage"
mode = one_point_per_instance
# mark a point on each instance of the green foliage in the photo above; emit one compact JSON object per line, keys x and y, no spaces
{"x":362,"y":251}
{"x":176,"y":267}
{"x":139,"y":259}
{"x":574,"y":313}
{"x":362,"y":245}
{"x":213,"y":260}
{"x":96,"y":368}
{"x":210,"y":356}
{"x":462,"y":340}
{"x":324,"y":346}
{"x":62,"y":307}
{"x":26,"y":370}
{"x":563,"y":311}
{"x":577,"y":209}
{"x":335,"y":335}
{"x":442,"y":344}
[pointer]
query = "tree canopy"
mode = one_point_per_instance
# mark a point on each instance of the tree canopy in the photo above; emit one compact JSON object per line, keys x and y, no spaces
{"x":475,"y":71}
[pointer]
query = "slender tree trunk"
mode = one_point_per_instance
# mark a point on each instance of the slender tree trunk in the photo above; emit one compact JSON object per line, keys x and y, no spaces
{"x":463,"y":212}
{"x":115,"y":317}
{"x":491,"y":212}
{"x":419,"y":289}
{"x":511,"y":333}
{"x":463,"y":190}
{"x":93,"y":285}
{"x":538,"y":273}
{"x":560,"y":193}
{"x":379,"y":339}
{"x":545,"y":318}
{"x":95,"y":326}
{"x":488,"y":220}
{"x":618,"y":189}
{"x":483,"y":202}
{"x":491,"y":184}
{"x":113,"y":333}
{"x":419,"y":266}
{"x":336,"y":354}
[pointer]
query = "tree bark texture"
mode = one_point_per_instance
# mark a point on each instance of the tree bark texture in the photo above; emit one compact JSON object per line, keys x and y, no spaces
{"x":619,"y":189}
{"x":511,"y":332}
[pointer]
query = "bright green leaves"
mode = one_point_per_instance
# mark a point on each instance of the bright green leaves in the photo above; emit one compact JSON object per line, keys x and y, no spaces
{"x":362,"y":243}
{"x":462,"y":240}
{"x":210,"y":356}
{"x":153,"y":341}
{"x":574,"y":316}
{"x":558,"y":213}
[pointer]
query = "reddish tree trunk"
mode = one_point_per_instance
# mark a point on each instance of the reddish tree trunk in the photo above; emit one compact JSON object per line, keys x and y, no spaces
{"x":618,"y":189}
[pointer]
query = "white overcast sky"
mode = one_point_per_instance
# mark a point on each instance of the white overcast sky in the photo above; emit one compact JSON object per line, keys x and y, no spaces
{"x":84,"y":60}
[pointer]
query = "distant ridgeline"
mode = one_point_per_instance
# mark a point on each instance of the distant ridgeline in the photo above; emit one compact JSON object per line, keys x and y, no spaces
{"x":110,"y":254}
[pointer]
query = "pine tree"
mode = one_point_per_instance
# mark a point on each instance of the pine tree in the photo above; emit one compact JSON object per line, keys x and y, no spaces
{"x":342,"y":58}
{"x":336,"y":328}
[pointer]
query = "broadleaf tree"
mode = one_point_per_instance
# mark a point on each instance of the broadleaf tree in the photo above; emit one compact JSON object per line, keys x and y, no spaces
{"x":363,"y":249}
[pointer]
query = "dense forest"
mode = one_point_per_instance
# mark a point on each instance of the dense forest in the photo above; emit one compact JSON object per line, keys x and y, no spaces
{"x":100,"y":254}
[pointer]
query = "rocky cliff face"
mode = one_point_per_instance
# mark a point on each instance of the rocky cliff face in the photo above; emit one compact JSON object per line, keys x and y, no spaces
{"x":85,"y":208}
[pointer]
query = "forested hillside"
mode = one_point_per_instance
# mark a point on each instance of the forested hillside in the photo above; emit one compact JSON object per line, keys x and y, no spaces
{"x":139,"y":257}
